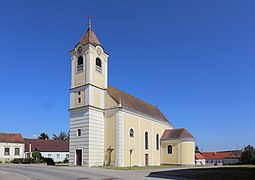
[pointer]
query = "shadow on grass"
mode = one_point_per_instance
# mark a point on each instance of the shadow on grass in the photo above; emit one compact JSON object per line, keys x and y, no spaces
{"x":224,"y":173}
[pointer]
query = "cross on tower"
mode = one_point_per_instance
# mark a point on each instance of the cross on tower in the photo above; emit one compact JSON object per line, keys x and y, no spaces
{"x":90,"y":22}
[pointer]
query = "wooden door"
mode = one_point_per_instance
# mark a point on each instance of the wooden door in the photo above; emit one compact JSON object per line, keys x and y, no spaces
{"x":78,"y":157}
{"x":146,"y":159}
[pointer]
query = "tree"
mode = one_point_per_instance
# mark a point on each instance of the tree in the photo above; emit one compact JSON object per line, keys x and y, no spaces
{"x":43,"y":135}
{"x":197,"y":149}
{"x":36,"y":155}
{"x":248,"y":155}
{"x":62,"y":136}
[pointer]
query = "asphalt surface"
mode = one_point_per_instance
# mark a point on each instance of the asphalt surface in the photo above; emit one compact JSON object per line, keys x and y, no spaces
{"x":43,"y":172}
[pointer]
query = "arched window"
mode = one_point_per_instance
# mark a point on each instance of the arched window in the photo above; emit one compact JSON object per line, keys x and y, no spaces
{"x":80,"y":64}
{"x":79,"y":132}
{"x":98,"y":65}
{"x":98,"y":62}
{"x":146,"y":140}
{"x":157,"y":141}
{"x":131,"y":133}
{"x":79,"y":97}
{"x":169,"y":149}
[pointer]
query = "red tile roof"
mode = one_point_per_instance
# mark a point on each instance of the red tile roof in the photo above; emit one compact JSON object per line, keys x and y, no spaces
{"x":89,"y":37}
{"x":11,"y":138}
{"x":215,"y":155}
{"x":133,"y":103}
{"x":180,"y":133}
{"x":199,"y":156}
{"x":234,"y":155}
{"x":46,"y":145}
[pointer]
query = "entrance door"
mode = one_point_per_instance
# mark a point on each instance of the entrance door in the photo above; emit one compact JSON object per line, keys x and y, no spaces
{"x":146,"y":159}
{"x":78,"y":157}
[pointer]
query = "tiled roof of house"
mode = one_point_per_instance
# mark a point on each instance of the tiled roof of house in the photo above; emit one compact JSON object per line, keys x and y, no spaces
{"x":133,"y":103}
{"x":234,"y":155}
{"x":215,"y":155}
{"x":199,"y":156}
{"x":46,"y":145}
{"x":89,"y":37}
{"x":180,"y":133}
{"x":11,"y":138}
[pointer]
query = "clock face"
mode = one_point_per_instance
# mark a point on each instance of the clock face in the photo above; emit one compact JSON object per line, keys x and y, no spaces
{"x":79,"y":50}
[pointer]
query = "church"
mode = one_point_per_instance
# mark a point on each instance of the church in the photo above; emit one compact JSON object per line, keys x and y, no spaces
{"x":111,"y":127}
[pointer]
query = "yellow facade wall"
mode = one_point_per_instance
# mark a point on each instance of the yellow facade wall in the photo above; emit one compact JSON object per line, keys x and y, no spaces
{"x":98,"y":79}
{"x":109,"y":102}
{"x":97,"y":97}
{"x":169,"y":158}
{"x":110,"y":136}
{"x":187,"y":154}
{"x":79,"y":78}
{"x":131,"y":121}
{"x":137,"y":143}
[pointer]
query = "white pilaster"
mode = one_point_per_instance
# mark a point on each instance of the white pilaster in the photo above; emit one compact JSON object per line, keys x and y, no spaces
{"x":87,"y":67}
{"x":91,"y":95}
{"x":91,"y":65}
{"x":153,"y":144}
{"x":119,"y":139}
{"x":106,"y":75}
{"x":73,"y":60}
{"x":71,"y":100}
{"x":139,"y":139}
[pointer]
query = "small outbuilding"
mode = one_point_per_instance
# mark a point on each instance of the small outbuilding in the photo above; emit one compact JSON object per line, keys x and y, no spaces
{"x":199,"y":159}
{"x":215,"y":158}
{"x":177,"y":147}
{"x":11,"y":146}
{"x":56,"y":149}
{"x":232,"y":158}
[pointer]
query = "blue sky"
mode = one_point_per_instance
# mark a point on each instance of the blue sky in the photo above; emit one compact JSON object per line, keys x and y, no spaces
{"x":193,"y":59}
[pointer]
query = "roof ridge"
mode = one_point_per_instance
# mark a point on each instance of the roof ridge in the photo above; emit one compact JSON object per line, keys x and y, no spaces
{"x":134,"y":103}
{"x":135,"y":97}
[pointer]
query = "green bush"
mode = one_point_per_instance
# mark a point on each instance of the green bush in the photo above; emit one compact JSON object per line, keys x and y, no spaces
{"x":26,"y":161}
{"x":37,"y":155}
{"x":49,"y":161}
{"x":17,"y":161}
{"x":39,"y":161}
{"x":248,"y":155}
{"x":7,"y":161}
{"x":66,"y":160}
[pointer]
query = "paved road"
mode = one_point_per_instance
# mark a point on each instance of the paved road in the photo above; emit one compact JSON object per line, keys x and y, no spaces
{"x":43,"y":172}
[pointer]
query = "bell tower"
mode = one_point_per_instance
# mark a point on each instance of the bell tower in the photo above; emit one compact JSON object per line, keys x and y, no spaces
{"x":89,"y":80}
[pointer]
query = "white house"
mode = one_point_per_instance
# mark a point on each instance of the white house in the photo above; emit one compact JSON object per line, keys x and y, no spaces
{"x":55,"y":149}
{"x":11,"y":146}
{"x":232,"y":158}
{"x":199,"y":159}
{"x":215,"y":158}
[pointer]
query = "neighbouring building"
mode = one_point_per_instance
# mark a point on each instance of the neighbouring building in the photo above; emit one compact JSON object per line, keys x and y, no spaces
{"x":11,"y":146}
{"x":232,"y":158}
{"x":109,"y":126}
{"x":215,"y":158}
{"x":199,"y":159}
{"x":55,"y":149}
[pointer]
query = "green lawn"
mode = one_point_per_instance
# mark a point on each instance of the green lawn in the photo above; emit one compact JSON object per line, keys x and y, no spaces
{"x":140,"y":167}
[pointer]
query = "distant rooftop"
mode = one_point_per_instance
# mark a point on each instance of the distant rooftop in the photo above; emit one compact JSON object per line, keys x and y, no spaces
{"x":11,"y":138}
